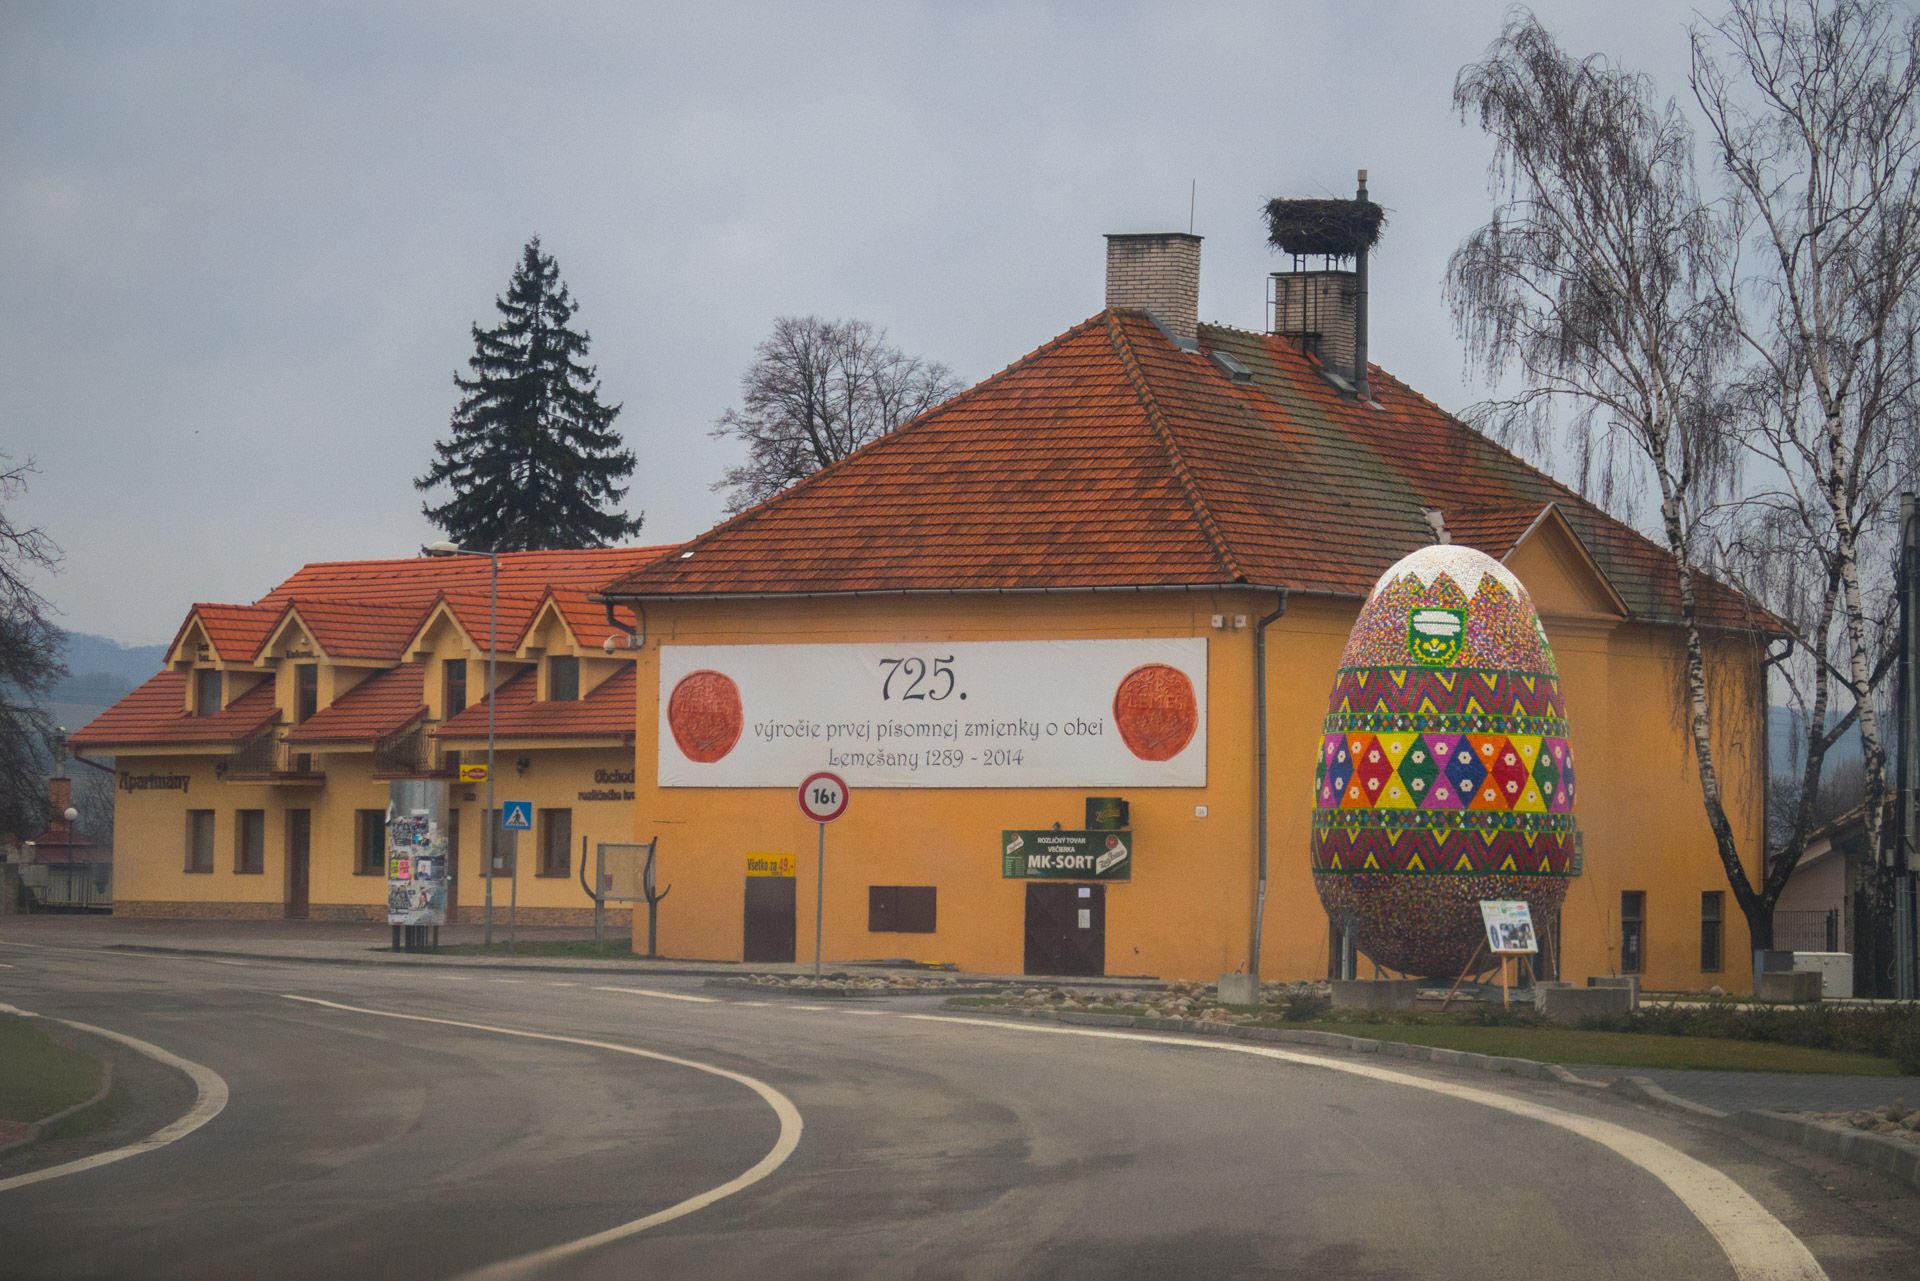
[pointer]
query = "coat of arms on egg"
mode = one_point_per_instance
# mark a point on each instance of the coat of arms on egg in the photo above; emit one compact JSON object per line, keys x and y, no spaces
{"x":1445,"y":774}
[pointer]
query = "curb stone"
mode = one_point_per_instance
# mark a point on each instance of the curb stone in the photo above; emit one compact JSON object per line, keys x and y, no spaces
{"x":1647,"y":1091}
{"x":38,"y":1130}
{"x":1877,"y":1152}
{"x":819,"y":993}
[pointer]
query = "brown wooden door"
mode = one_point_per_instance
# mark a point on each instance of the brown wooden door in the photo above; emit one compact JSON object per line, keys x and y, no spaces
{"x":769,"y":925}
{"x":1066,"y":928}
{"x":299,"y":861}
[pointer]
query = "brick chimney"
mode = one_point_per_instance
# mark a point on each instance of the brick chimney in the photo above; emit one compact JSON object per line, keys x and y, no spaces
{"x":59,"y":800}
{"x":1161,"y":273}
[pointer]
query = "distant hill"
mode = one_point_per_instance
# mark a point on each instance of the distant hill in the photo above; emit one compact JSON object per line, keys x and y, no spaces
{"x":100,"y":672}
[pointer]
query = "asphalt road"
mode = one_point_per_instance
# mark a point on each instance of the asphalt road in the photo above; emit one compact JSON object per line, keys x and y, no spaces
{"x":356,"y":1145}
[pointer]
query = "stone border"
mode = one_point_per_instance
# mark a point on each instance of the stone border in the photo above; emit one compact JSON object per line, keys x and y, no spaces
{"x":833,"y":993}
{"x":38,"y":1130}
{"x":1875,"y":1151}
{"x":1890,"y":1156}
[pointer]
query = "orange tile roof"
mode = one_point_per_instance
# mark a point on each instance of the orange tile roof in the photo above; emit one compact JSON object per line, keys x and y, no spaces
{"x":236,"y":631}
{"x":514,"y":614}
{"x":414,"y":582}
{"x":152,"y":716}
{"x":350,"y":629}
{"x":382,"y":704}
{"x":1111,"y":458}
{"x":606,"y":711}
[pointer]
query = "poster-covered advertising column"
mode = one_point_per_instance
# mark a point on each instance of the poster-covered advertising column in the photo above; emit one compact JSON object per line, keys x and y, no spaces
{"x":1067,"y":713}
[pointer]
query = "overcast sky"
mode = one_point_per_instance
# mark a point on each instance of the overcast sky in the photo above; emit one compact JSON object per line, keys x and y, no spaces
{"x":243,"y":244}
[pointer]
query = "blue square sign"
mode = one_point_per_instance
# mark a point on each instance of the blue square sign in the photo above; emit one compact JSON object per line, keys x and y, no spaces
{"x":517,"y":816}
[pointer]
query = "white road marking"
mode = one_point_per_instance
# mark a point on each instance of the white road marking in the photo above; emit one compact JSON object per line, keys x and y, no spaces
{"x":869,"y":1013}
{"x":806,"y":1007}
{"x":754,"y":1003}
{"x":208,"y":1103}
{"x":665,"y":996}
{"x":5,"y":966}
{"x":1759,"y":1246}
{"x":528,"y":1264}
{"x":563,"y":985}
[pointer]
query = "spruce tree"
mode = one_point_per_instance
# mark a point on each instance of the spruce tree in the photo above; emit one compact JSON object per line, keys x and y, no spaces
{"x":533,"y":460}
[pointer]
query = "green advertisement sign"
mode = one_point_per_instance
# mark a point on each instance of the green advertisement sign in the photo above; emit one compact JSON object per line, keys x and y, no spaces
{"x":1072,"y":856}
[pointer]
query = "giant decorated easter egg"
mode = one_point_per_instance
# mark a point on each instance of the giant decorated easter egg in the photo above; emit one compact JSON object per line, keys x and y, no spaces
{"x":1445,"y":776}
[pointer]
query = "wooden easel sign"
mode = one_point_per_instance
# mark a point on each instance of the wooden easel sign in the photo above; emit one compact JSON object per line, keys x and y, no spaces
{"x":1509,"y":934}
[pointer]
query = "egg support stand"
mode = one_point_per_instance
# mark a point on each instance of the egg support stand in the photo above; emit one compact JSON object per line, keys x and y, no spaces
{"x":1505,"y":957}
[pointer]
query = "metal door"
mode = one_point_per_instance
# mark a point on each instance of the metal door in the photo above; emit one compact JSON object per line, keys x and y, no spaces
{"x":1066,"y":928}
{"x":769,"y":925}
{"x":299,"y":860}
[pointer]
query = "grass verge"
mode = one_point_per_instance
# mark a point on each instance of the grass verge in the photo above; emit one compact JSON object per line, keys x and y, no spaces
{"x":1619,"y":1049}
{"x":38,"y":1075}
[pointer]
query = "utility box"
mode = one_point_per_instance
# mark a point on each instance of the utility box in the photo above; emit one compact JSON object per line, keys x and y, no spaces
{"x":1791,"y":987}
{"x":1631,"y":982}
{"x":1834,"y":968}
{"x":1373,"y":994}
{"x":1239,"y":989}
{"x":1571,"y":1004}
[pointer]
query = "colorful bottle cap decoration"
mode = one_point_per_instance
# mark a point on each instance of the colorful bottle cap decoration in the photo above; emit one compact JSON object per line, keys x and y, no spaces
{"x":1445,"y":774}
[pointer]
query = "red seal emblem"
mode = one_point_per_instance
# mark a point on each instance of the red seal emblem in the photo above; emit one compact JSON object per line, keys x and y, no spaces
{"x":705,"y":716}
{"x":1156,"y":712}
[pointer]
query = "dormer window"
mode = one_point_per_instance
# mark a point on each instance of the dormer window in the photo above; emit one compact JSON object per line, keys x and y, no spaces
{"x":454,"y":693}
{"x":206,"y":691}
{"x":563,"y":680}
{"x":306,"y":692}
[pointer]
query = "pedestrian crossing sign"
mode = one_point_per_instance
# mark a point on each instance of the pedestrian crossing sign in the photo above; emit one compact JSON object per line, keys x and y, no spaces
{"x":517,"y":816}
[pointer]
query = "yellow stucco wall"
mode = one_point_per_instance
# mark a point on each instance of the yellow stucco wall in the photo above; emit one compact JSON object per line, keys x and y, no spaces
{"x":1187,"y":911}
{"x":151,"y":833}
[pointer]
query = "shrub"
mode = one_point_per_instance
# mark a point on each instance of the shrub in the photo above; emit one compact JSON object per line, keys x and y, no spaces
{"x":1875,"y":1030}
{"x":1307,"y":1009}
{"x":1904,"y":1044}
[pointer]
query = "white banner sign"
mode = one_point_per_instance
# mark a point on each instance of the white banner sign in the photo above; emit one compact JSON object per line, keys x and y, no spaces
{"x":1085,"y":713}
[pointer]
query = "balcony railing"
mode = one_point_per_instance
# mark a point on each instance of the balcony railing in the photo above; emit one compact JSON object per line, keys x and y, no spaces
{"x":270,"y":758}
{"x":414,"y":754}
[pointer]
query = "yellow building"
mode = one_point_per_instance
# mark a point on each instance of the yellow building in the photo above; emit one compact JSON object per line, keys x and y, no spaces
{"x":253,"y":772}
{"x":1048,"y":595}
{"x":1143,"y":494}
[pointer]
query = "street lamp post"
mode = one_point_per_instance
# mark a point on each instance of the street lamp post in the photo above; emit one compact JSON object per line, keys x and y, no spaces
{"x":444,"y":548}
{"x":72,"y":816}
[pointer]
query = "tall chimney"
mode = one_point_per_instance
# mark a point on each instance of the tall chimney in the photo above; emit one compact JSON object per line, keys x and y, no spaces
{"x":1160,"y":273}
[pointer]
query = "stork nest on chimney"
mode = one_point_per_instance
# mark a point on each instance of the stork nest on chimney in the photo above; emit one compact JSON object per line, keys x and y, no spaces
{"x":1339,"y":228}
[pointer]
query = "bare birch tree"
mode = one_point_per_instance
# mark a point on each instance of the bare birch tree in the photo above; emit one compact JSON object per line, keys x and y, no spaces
{"x":816,"y":391}
{"x":1594,"y":283}
{"x":1755,"y":353}
{"x":1814,"y":113}
{"x":29,"y":661}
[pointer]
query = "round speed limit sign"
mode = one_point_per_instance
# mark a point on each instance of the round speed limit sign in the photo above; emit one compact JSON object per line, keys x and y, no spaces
{"x":823,"y":797}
